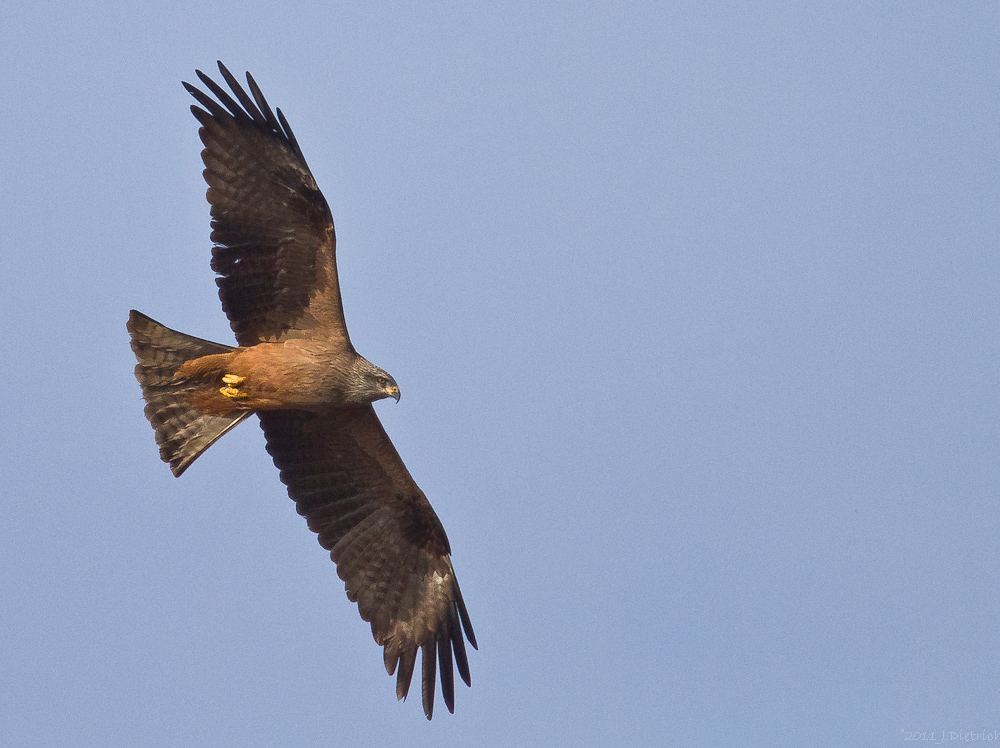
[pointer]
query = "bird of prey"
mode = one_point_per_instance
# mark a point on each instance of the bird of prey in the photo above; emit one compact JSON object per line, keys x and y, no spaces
{"x":295,"y":367}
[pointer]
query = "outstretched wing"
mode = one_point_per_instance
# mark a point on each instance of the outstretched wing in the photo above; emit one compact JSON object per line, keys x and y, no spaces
{"x":391,"y":551}
{"x":272,"y":227}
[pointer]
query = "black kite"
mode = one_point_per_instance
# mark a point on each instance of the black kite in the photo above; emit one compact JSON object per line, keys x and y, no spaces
{"x":296,"y":369}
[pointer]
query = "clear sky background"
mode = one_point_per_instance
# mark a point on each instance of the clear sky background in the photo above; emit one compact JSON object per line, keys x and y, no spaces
{"x":693,"y":307}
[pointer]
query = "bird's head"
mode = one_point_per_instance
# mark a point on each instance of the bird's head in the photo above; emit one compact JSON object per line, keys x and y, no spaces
{"x":373,"y":383}
{"x":385,"y":386}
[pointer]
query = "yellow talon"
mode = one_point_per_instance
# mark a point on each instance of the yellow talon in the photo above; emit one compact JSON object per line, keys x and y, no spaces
{"x":229,"y":390}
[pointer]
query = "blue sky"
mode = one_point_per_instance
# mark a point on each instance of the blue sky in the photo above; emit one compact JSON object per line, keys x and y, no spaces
{"x":693,"y":310}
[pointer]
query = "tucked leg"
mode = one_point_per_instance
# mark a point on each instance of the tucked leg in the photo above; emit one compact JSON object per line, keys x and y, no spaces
{"x":229,"y":390}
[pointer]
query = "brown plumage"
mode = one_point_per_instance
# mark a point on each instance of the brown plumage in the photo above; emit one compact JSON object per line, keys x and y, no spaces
{"x":296,"y":369}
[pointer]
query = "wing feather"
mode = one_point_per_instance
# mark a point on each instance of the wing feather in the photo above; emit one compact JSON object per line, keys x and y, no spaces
{"x":389,"y":546}
{"x":273,"y":232}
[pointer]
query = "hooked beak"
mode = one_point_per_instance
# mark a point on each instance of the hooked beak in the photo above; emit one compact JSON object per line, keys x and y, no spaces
{"x":392,"y":391}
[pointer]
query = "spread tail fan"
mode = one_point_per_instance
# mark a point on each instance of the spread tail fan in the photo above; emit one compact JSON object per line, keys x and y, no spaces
{"x":182,"y":431}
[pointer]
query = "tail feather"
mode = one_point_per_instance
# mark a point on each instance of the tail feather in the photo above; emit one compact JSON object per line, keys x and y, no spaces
{"x":182,"y":431}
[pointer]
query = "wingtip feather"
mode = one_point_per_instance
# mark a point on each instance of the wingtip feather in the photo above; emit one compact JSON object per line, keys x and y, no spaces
{"x":428,"y":662}
{"x":407,"y":660}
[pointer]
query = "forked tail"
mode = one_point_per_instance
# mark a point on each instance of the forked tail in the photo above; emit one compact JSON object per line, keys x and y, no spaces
{"x":182,"y":431}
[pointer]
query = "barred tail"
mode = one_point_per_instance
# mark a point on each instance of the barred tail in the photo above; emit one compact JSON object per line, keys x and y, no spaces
{"x":182,"y":431}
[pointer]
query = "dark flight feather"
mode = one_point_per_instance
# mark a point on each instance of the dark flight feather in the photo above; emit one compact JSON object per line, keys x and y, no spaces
{"x":272,"y":228}
{"x":390,"y":548}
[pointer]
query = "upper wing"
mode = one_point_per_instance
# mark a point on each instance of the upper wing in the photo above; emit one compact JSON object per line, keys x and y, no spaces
{"x":272,"y":227}
{"x":348,"y":481}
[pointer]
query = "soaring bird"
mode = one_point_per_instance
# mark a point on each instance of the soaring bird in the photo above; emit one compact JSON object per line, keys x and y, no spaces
{"x":295,"y":367}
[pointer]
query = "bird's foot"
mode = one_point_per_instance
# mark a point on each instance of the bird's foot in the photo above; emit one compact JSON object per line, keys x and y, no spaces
{"x":228,"y":390}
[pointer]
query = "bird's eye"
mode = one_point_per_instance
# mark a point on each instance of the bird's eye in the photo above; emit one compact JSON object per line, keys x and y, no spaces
{"x":382,"y":381}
